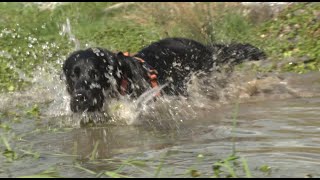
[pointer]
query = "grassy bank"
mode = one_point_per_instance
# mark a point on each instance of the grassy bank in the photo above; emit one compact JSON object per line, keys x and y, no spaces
{"x":31,"y":36}
{"x":292,"y":39}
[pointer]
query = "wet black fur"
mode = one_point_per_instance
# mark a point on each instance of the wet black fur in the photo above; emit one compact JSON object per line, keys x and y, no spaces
{"x":94,"y":74}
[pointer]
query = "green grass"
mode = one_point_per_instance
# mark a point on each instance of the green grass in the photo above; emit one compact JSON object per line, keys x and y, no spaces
{"x":49,"y":173}
{"x":30,"y":37}
{"x":294,"y":34}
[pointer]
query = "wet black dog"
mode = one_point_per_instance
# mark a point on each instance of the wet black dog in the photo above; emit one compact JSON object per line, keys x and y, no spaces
{"x":94,"y":74}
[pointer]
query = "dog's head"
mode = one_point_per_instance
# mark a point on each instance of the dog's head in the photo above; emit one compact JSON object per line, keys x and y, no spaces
{"x":87,"y":75}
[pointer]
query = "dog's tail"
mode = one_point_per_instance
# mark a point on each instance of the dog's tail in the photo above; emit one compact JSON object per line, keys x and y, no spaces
{"x":235,"y":53}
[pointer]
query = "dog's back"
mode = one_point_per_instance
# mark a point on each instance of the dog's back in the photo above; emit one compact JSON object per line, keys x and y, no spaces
{"x":235,"y":53}
{"x":176,"y":58}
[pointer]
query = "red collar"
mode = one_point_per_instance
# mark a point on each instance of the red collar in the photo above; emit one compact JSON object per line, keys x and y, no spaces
{"x":152,"y":74}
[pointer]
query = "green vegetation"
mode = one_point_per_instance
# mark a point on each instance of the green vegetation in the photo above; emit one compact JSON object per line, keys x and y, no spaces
{"x":49,"y":173}
{"x":34,"y":111}
{"x":31,"y":36}
{"x":294,"y":35}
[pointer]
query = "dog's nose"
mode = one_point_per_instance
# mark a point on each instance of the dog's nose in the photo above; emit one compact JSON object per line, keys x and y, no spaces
{"x":80,"y":97}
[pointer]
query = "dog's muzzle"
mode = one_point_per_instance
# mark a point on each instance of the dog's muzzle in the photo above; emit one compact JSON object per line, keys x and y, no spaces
{"x":86,"y":101}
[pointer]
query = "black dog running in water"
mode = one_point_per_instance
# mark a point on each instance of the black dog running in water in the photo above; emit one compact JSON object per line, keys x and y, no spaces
{"x":94,"y":74}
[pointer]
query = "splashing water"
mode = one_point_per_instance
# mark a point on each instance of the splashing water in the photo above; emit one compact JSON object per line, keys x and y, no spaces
{"x":66,"y":29}
{"x":207,"y":93}
{"x":132,"y":108}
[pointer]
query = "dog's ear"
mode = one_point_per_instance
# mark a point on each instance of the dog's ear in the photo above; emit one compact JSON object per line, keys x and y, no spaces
{"x":121,"y":58}
{"x":120,"y":54}
{"x":108,"y":57}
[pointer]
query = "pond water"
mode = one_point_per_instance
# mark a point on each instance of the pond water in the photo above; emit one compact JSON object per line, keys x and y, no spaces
{"x":277,"y":126}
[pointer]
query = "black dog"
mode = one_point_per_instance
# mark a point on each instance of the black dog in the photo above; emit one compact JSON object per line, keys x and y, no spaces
{"x":95,"y":73}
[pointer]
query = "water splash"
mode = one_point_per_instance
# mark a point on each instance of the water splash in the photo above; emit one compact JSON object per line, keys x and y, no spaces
{"x":206,"y":92}
{"x":66,"y":30}
{"x":129,"y":111}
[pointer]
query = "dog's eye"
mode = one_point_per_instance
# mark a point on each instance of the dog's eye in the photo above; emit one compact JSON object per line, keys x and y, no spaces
{"x":76,"y":72}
